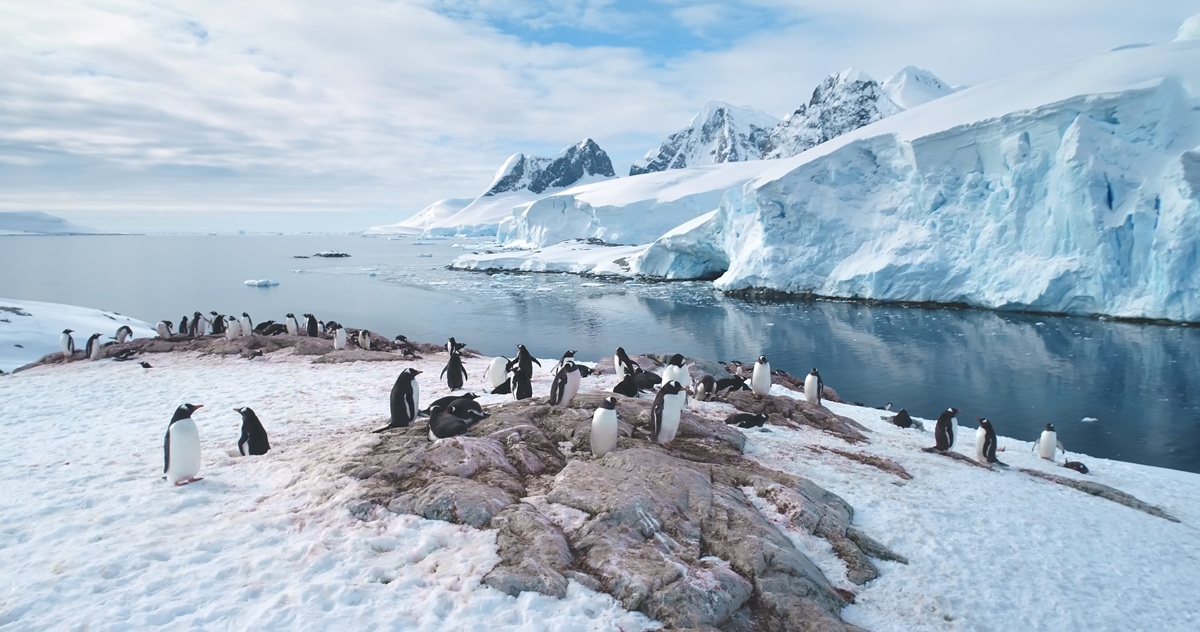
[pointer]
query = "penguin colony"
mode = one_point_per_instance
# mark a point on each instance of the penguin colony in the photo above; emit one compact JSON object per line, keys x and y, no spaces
{"x":454,"y":415}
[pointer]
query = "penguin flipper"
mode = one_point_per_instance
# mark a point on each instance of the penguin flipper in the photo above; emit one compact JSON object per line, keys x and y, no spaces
{"x":443,"y":373}
{"x":167,"y":450}
{"x":242,"y":443}
{"x":503,"y":389}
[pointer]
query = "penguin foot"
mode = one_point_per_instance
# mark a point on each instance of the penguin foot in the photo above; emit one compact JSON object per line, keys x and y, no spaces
{"x":190,"y":480}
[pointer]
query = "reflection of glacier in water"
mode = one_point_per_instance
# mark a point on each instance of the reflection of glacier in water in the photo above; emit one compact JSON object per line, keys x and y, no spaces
{"x":1021,"y":371}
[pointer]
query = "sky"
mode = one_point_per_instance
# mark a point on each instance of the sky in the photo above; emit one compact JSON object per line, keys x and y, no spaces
{"x":387,"y":106}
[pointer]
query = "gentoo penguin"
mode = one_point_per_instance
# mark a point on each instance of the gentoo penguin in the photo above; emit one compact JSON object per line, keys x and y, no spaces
{"x":310,"y":325}
{"x":674,"y":371}
{"x":902,"y":419}
{"x":622,"y":364}
{"x":813,"y":385}
{"x":183,"y":326}
{"x":746,"y":420}
{"x":645,"y":380}
{"x":760,"y":378}
{"x":262,"y":327}
{"x":247,"y":325}
{"x":604,"y":427}
{"x":364,"y":339}
{"x":293,"y":326}
{"x":469,"y":409}
{"x":197,"y":327}
{"x":946,"y":429}
{"x":496,"y":373}
{"x":444,"y":402}
{"x":406,"y":395}
{"x":218,"y":323}
{"x":526,"y":361}
{"x":985,"y":443}
{"x":453,"y":345}
{"x":145,"y":365}
{"x":181,"y":446}
{"x":233,"y":330}
{"x":163,"y":328}
{"x":664,"y":413}
{"x":93,"y":347}
{"x":124,"y":333}
{"x":66,"y":343}
{"x":569,"y":354}
{"x":731,"y":384}
{"x":627,"y":386}
{"x":518,"y":383}
{"x":1048,"y":443}
{"x":252,"y":433}
{"x":454,"y":372}
{"x":565,"y":385}
{"x":1076,"y":465}
{"x":339,"y":337}
{"x":706,"y":388}
{"x":448,"y":422}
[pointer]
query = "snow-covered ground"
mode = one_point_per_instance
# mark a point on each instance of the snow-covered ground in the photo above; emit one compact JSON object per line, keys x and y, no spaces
{"x":31,"y":329}
{"x":575,"y":257}
{"x":91,"y":537}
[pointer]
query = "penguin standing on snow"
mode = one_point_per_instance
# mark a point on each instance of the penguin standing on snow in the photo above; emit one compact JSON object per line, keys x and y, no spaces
{"x":985,"y":443}
{"x":66,"y":343}
{"x":518,"y":383}
{"x":901,"y":419}
{"x":124,"y":333}
{"x":568,"y":355}
{"x":604,"y":427}
{"x":247,"y":325}
{"x":454,"y":372}
{"x":310,"y":325}
{"x":406,"y":395}
{"x":665,"y":412}
{"x":525,"y":360}
{"x":163,"y":328}
{"x":253,"y":433}
{"x":946,"y":429}
{"x":496,"y":372}
{"x":293,"y":326}
{"x":339,"y":337}
{"x":565,"y":385}
{"x":181,"y":446}
{"x":760,"y":378}
{"x":813,"y":385}
{"x":454,"y":346}
{"x":622,"y":364}
{"x":233,"y":329}
{"x":1048,"y":443}
{"x":364,"y":339}
{"x":93,"y":347}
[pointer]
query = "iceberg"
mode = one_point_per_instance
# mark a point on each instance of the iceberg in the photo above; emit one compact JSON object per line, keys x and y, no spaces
{"x":260,"y":282}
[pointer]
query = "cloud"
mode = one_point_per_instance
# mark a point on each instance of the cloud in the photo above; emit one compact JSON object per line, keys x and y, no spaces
{"x":369,"y":105}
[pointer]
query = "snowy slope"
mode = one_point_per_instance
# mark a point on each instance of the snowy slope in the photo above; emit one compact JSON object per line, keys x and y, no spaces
{"x":913,"y":86}
{"x":37,"y":223}
{"x":36,"y":328}
{"x":842,"y":103}
{"x":719,"y":133}
{"x":91,"y":537}
{"x":1068,"y":189}
{"x":428,"y":216}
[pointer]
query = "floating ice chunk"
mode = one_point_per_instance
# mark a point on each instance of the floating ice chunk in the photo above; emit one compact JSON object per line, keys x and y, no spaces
{"x":260,"y":282}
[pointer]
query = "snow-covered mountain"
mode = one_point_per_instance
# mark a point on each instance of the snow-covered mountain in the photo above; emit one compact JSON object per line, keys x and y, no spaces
{"x":38,"y":223}
{"x":842,"y":103}
{"x":576,"y":164}
{"x":1070,"y":189}
{"x":428,"y":216}
{"x":719,"y":133}
{"x":914,"y":86}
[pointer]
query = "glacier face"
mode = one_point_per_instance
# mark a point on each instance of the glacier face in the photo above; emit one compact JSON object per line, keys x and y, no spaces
{"x":1088,"y":205}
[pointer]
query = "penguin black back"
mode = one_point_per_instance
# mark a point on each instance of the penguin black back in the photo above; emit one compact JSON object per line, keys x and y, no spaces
{"x":627,"y":387}
{"x":253,"y":433}
{"x":943,"y":432}
{"x":454,"y":372}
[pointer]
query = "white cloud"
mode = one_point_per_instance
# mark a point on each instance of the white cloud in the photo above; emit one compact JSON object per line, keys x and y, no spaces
{"x":312,"y":104}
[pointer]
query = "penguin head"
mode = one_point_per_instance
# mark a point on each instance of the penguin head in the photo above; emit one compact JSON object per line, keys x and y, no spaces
{"x":569,"y":366}
{"x":185,"y":411}
{"x":93,"y":337}
{"x":762,"y":359}
{"x":291,"y":315}
{"x":401,"y":338}
{"x":1049,"y":427}
{"x":813,"y":371}
{"x":68,"y":331}
{"x":952,"y":410}
{"x":522,"y":348}
{"x":620,"y":351}
{"x":672,"y":387}
{"x":214,"y":312}
{"x":677,"y":359}
{"x":245,"y":315}
{"x":570,"y":353}
{"x":609,"y":402}
{"x":246,"y":412}
{"x":411,"y":372}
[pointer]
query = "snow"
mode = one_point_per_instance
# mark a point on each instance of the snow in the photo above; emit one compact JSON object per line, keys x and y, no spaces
{"x":1189,"y":30}
{"x":30,"y":330}
{"x":720,"y":132}
{"x":913,"y":86}
{"x":261,"y":282}
{"x":575,"y":257}
{"x":37,"y":223}
{"x":91,"y":537}
{"x":426,"y":217}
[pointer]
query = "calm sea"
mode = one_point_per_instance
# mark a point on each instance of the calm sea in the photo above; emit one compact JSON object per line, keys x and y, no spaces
{"x":1116,"y":390}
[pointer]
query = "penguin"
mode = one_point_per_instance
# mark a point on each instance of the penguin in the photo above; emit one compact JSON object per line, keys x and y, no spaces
{"x":124,"y":332}
{"x":123,"y":355}
{"x":674,"y":371}
{"x":1076,"y":465}
{"x":163,"y":328}
{"x":448,"y":422}
{"x":526,"y":361}
{"x":946,"y":428}
{"x":218,"y":323}
{"x":364,"y":339}
{"x":276,"y":329}
{"x":760,"y":378}
{"x":444,"y":402}
{"x":197,"y":326}
{"x":496,"y":374}
{"x":469,"y":409}
{"x":813,"y":385}
{"x":405,"y":400}
{"x":454,"y":372}
{"x":234,"y":330}
{"x":310,"y":324}
{"x":247,"y":325}
{"x":901,"y":419}
{"x":253,"y":433}
{"x":339,"y":337}
{"x":746,"y":420}
{"x":1048,"y":443}
{"x":622,"y":364}
{"x":183,"y":326}
{"x":93,"y":347}
{"x":604,"y":427}
{"x":728,"y":384}
{"x":453,"y":345}
{"x":706,"y":388}
{"x":985,"y":443}
{"x":181,"y":446}
{"x":293,"y":326}
{"x":565,"y":385}
{"x":569,"y":354}
{"x":664,"y":413}
{"x":262,"y":327}
{"x":145,"y":365}
{"x":645,"y":380}
{"x":518,"y":383}
{"x":66,"y":344}
{"x":627,"y":386}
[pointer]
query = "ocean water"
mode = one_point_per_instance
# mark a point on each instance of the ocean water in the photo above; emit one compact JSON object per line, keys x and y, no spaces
{"x":1116,"y":390}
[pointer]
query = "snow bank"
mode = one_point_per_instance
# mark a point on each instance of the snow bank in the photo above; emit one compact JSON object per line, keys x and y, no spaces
{"x":30,"y":330}
{"x":36,"y":223}
{"x":575,"y":257}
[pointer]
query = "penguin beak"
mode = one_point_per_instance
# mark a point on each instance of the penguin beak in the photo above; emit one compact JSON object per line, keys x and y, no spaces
{"x":197,"y":406}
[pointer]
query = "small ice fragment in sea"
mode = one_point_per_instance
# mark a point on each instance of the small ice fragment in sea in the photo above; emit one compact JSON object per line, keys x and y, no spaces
{"x":260,"y":282}
{"x":1090,"y":419}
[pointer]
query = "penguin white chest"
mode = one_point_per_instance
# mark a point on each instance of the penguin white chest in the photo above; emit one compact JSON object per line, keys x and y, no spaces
{"x":672,"y":407}
{"x":64,"y":344}
{"x":675,"y":374}
{"x":760,"y":379}
{"x":415,"y":405}
{"x":184,"y":442}
{"x":339,"y":339}
{"x":495,"y":372}
{"x":812,"y":389}
{"x":604,"y":431}
{"x":1046,"y":444}
{"x":980,"y":440}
